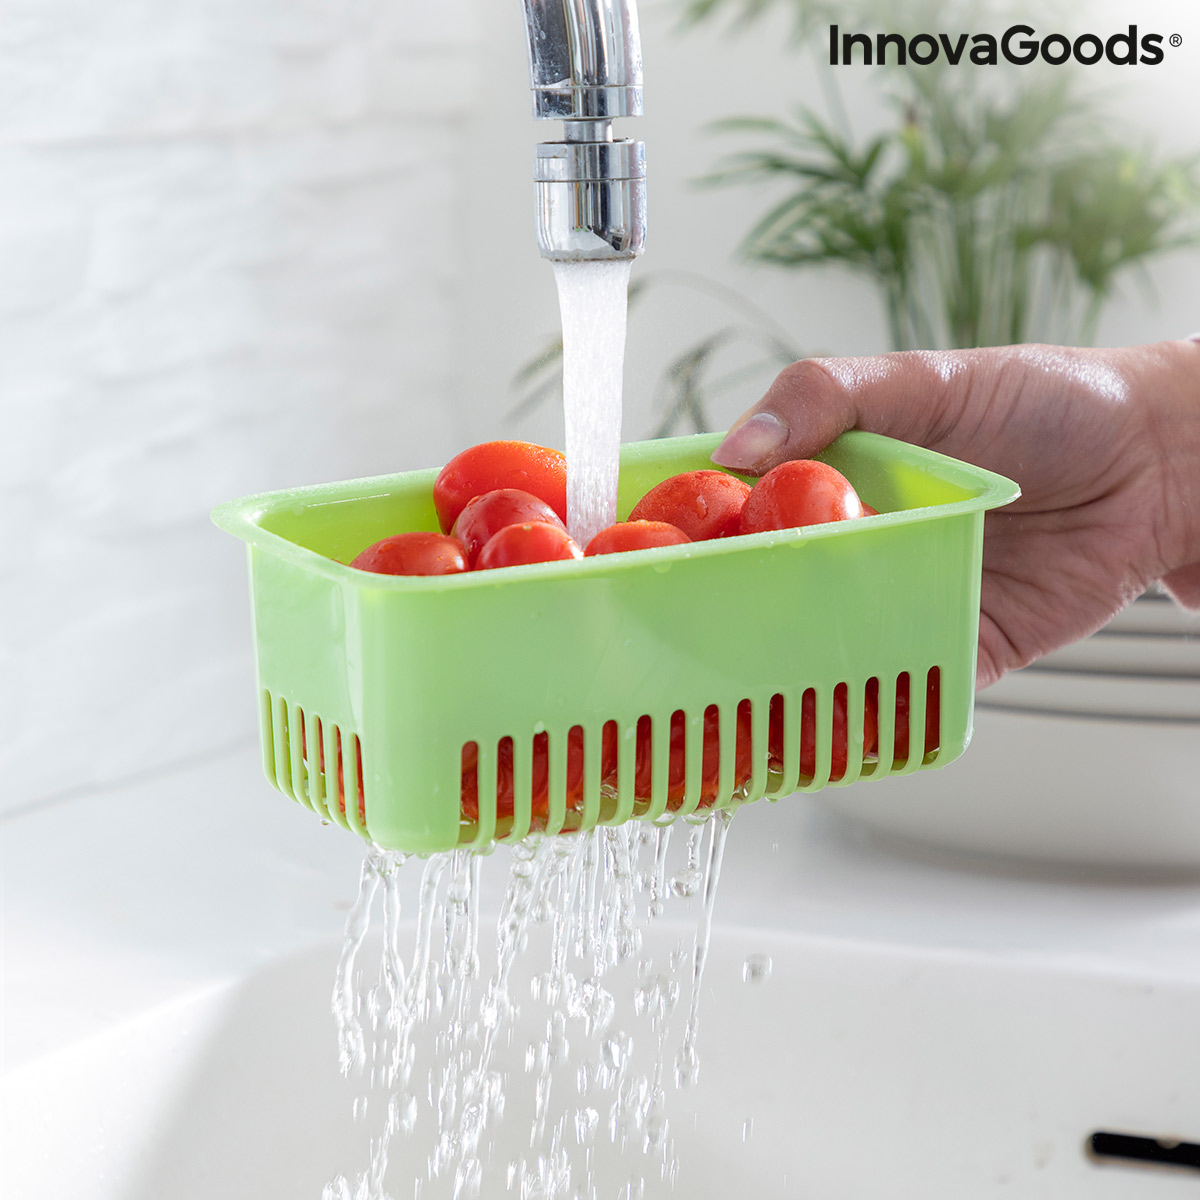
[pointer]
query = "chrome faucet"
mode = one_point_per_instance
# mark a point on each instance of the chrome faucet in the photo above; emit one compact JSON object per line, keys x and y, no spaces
{"x":585,"y":69}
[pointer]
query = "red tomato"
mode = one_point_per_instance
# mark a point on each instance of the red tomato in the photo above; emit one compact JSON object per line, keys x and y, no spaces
{"x":540,"y":771}
{"x":797,"y":493}
{"x":488,"y":514}
{"x":867,"y":510}
{"x":933,"y":714}
{"x":531,"y":542}
{"x":492,"y":465}
{"x":704,"y":504}
{"x":710,"y":767}
{"x":839,"y":752}
{"x":417,"y":553}
{"x":635,"y":535}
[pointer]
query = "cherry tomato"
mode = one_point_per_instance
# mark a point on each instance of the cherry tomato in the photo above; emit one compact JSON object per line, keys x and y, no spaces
{"x":540,"y":774}
{"x":417,"y":553}
{"x":488,"y":514}
{"x":867,"y":510}
{"x":710,"y":767}
{"x":704,"y":504}
{"x":635,"y":535}
{"x":797,"y":493}
{"x":839,"y":753}
{"x":492,"y":465}
{"x":933,"y":714}
{"x":530,"y":542}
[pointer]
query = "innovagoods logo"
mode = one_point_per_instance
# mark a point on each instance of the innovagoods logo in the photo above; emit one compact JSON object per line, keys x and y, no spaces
{"x":1019,"y":44}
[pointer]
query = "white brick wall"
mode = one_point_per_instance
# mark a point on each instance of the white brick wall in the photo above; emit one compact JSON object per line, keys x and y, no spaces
{"x":226,"y":265}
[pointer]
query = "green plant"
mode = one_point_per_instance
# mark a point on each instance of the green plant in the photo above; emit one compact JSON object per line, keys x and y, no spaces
{"x":982,"y":214}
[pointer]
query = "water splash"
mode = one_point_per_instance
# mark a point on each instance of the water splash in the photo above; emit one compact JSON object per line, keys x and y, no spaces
{"x":604,"y":1013}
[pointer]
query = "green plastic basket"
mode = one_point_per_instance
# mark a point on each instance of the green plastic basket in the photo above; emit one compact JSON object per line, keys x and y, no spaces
{"x":372,"y":685}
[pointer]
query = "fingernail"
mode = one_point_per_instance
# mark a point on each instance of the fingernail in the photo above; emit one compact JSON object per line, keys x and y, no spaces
{"x":751,"y":442}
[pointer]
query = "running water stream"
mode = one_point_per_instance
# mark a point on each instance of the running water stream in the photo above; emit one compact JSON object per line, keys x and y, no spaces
{"x":435,"y":1039}
{"x":592,"y":302}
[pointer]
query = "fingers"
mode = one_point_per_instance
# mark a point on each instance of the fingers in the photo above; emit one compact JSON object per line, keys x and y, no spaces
{"x":1184,"y":586}
{"x":914,"y":396}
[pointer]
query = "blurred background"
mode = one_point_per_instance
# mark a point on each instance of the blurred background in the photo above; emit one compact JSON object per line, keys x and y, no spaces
{"x":252,"y":244}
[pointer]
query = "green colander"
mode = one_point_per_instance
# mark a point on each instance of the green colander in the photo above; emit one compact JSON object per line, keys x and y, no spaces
{"x":385,"y":698}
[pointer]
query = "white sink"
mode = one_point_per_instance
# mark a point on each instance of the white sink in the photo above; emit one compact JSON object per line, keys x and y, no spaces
{"x":856,"y":1073}
{"x":929,"y":1030}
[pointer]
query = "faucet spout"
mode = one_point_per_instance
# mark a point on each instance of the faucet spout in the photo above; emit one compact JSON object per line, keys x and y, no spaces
{"x":585,"y":69}
{"x":585,"y":59}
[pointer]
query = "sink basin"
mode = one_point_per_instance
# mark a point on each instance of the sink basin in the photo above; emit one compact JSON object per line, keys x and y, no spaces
{"x":863,"y":1073}
{"x":931,"y":1028}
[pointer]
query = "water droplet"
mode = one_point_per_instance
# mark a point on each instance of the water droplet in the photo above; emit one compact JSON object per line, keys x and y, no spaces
{"x":757,"y":968}
{"x":747,"y":1129}
{"x":687,"y":1066}
{"x":587,"y":1121}
{"x":615,"y":1051}
{"x":467,"y":1178}
{"x":687,"y":883}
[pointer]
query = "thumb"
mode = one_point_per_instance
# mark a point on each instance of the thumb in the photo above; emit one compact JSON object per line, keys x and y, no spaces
{"x":916,"y":396}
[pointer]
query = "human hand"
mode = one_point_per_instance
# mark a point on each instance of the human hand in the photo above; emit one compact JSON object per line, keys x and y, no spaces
{"x":1105,"y":445}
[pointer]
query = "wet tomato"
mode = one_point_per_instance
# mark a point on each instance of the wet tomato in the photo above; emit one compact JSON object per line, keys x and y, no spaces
{"x":635,"y":535}
{"x":492,"y":465}
{"x":797,"y":493}
{"x":529,"y":542}
{"x":416,"y":553}
{"x":704,"y":504}
{"x":484,"y":516}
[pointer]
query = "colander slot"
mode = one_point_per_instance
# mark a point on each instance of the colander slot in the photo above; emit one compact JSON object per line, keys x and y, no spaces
{"x":733,"y":749}
{"x":480,"y":803}
{"x":296,"y":771}
{"x":817,"y":737}
{"x":651,"y":782}
{"x":469,"y":786}
{"x":283,"y":755}
{"x":783,"y":745}
{"x":556,"y":765}
{"x":852,"y":734}
{"x":268,"y":737}
{"x":904,"y":722}
{"x":313,"y":731}
{"x":873,"y":732}
{"x":351,"y":791}
{"x":486,"y":791}
{"x":329,"y":751}
{"x":689,"y":758}
{"x":933,"y":714}
{"x":759,"y":758}
{"x":625,"y":752}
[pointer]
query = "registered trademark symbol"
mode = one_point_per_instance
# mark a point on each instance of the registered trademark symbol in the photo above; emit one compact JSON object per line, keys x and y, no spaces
{"x":1176,"y":40}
